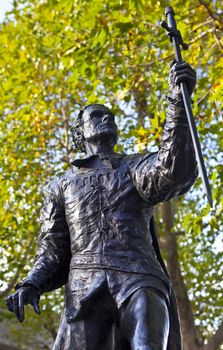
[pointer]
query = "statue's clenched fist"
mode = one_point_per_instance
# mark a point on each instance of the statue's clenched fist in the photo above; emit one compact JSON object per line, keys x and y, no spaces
{"x":181,"y":72}
{"x":23,"y":296}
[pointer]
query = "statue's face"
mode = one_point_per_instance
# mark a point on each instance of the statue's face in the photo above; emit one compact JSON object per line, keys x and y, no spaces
{"x":98,"y":124}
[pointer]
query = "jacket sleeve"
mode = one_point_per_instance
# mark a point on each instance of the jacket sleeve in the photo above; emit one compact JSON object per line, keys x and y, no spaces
{"x":173,"y":169}
{"x":51,"y":267}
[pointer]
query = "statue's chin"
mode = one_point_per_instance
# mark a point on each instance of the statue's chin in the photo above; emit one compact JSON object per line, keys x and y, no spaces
{"x":102,"y":132}
{"x":104,"y":135}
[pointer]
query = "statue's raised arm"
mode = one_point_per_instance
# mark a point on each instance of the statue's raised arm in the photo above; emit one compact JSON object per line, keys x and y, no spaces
{"x":172,"y":170}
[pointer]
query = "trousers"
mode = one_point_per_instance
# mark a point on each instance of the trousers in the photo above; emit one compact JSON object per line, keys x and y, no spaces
{"x":142,"y":323}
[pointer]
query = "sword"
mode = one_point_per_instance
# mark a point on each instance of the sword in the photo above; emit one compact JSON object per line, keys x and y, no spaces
{"x":175,"y":37}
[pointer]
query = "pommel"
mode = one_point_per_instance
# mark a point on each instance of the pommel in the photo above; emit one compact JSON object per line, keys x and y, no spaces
{"x":168,"y":10}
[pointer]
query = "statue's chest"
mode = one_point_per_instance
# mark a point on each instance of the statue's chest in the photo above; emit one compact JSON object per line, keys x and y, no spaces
{"x":98,"y":189}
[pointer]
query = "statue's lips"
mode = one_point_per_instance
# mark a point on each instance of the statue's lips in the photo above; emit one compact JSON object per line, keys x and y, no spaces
{"x":108,"y":125}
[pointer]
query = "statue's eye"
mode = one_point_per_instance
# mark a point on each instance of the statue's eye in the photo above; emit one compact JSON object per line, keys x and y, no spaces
{"x":96,"y":115}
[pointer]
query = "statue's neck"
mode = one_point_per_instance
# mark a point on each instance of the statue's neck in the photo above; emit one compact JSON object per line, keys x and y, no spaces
{"x":100,"y":148}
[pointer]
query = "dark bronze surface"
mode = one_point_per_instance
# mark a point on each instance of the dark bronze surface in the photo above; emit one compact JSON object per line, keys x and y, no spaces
{"x":175,"y":37}
{"x":97,"y":235}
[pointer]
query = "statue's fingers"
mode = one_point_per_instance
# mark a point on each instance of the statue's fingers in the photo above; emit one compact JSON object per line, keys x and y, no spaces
{"x":16,"y":307}
{"x":189,"y":72}
{"x":21,"y":308}
{"x":36,"y":307}
{"x":172,"y":62}
{"x":184,"y":77}
{"x":181,"y":64}
{"x":184,"y":66}
{"x":9,"y":303}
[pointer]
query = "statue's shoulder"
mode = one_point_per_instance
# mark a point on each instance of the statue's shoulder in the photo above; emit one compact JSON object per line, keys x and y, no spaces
{"x":68,"y":175}
{"x":66,"y":178}
{"x":57,"y":184}
{"x":136,"y":158}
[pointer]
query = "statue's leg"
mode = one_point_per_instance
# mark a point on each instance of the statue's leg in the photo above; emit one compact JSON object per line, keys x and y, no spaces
{"x":96,"y":330}
{"x":145,"y":320}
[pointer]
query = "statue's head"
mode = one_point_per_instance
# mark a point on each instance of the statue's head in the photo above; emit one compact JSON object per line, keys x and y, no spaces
{"x":94,"y":123}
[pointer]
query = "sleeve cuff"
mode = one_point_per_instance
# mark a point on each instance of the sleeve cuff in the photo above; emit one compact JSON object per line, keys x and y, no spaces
{"x":26,"y":284}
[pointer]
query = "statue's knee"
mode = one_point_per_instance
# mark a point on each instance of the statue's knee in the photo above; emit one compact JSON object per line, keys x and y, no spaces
{"x":146,"y":347}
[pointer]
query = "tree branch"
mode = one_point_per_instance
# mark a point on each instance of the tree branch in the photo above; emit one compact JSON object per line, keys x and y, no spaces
{"x":10,"y":285}
{"x":218,"y":40}
{"x":208,"y":21}
{"x":149,"y":64}
{"x":215,"y":340}
{"x":202,"y":34}
{"x":210,"y":12}
{"x":16,"y":276}
{"x":66,"y":136}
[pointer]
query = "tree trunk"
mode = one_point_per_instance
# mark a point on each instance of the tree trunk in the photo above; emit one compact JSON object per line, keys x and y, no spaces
{"x":186,"y":315}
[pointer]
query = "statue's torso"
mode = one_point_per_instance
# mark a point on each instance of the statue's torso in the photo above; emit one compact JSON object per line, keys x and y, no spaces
{"x":108,"y":220}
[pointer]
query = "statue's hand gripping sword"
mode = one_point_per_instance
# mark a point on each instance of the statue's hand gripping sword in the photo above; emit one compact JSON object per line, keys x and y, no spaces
{"x":175,"y":37}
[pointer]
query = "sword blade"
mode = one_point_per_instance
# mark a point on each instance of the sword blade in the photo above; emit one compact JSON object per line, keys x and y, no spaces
{"x":196,"y":143}
{"x":177,"y":41}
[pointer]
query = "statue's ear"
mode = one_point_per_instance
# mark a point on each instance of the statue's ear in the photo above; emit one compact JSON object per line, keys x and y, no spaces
{"x":76,"y":133}
{"x":79,"y":135}
{"x":78,"y":138}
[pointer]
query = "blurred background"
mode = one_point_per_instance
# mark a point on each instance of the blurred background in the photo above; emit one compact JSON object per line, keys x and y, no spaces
{"x":56,"y":56}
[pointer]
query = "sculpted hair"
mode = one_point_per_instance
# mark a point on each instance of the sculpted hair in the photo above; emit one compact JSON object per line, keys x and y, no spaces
{"x":77,"y":134}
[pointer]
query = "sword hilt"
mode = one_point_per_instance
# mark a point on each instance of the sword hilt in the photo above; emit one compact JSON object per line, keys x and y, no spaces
{"x":171,"y":27}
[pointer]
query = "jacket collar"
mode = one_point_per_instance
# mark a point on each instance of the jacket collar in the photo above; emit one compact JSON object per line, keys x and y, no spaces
{"x":83,"y":161}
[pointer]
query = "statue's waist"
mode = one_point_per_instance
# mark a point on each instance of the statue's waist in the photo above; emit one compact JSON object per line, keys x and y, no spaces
{"x":144,"y":264}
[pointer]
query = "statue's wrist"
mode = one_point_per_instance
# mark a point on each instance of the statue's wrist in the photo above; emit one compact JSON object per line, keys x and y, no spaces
{"x":176,"y":100}
{"x":176,"y":111}
{"x":26,"y":285}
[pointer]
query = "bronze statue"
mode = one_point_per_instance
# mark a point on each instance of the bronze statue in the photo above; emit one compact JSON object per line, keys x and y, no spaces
{"x":97,"y":236}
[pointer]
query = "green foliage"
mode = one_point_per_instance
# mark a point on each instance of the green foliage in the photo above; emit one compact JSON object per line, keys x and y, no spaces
{"x":58,"y":55}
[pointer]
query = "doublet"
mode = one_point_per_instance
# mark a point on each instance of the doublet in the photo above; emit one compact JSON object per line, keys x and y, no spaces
{"x":97,"y":221}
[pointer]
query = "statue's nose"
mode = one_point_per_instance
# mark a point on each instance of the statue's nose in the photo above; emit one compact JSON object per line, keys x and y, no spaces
{"x":106,"y":118}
